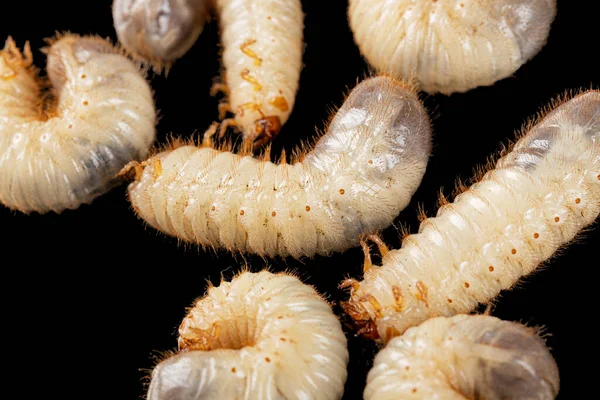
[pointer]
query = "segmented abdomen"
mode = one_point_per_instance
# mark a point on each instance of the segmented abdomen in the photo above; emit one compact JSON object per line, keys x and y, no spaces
{"x":356,"y":180}
{"x":450,"y":45}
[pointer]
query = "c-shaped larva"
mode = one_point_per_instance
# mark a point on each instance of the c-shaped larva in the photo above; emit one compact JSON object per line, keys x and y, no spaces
{"x":59,"y":154}
{"x":355,"y":181}
{"x":464,"y":357}
{"x":262,"y":44}
{"x":450,"y":45}
{"x":261,"y":336}
{"x":537,"y":199}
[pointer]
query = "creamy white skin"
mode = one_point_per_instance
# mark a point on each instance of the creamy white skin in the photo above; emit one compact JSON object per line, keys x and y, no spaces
{"x":464,"y":357}
{"x":261,"y":336}
{"x":262,"y":57}
{"x":59,"y":155}
{"x":356,"y":180}
{"x":450,"y":45}
{"x":537,"y":199}
{"x":159,"y":31}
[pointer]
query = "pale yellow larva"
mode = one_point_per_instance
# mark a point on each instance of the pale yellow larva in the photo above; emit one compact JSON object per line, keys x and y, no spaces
{"x":159,"y":31}
{"x":59,"y":154}
{"x":262,"y":44}
{"x":538,"y":198}
{"x":450,"y":45}
{"x":356,"y":180}
{"x":464,"y":357}
{"x":262,"y":56}
{"x":261,"y":336}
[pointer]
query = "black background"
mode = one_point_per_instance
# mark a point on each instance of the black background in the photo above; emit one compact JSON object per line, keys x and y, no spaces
{"x":91,"y":295}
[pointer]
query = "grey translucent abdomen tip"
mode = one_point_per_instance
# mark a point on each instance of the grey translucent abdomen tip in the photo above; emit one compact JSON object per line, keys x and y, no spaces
{"x":522,"y":367}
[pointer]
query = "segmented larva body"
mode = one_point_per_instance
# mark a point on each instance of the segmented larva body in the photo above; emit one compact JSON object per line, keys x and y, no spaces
{"x":159,"y":31}
{"x":262,"y":56}
{"x":59,"y":154}
{"x":262,"y":44}
{"x":450,"y":45}
{"x":355,"y":181}
{"x":261,"y":336}
{"x":538,"y":197}
{"x":464,"y":357}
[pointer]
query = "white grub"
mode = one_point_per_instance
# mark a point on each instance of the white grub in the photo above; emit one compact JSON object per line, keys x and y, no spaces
{"x":464,"y":357}
{"x":64,"y":147}
{"x":539,"y":197}
{"x":261,"y":336}
{"x":356,"y":180}
{"x":262,"y":44}
{"x":450,"y":45}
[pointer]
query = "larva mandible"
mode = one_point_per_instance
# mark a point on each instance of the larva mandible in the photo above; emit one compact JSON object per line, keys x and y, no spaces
{"x":261,"y":336}
{"x":464,"y":357}
{"x":159,"y":31}
{"x":355,"y":181}
{"x":64,"y":147}
{"x":538,"y":198}
{"x":450,"y":45}
{"x":262,"y":43}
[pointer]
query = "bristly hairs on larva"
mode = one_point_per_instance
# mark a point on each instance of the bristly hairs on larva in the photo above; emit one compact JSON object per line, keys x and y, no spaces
{"x":479,"y":171}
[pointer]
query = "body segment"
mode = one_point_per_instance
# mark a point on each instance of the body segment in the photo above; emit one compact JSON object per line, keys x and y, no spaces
{"x":355,"y":181}
{"x":59,"y":154}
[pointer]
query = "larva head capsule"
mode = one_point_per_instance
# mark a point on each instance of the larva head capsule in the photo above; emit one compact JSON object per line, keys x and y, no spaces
{"x":159,"y":31}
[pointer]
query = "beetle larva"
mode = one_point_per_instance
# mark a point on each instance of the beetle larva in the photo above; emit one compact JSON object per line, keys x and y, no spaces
{"x":464,"y":357}
{"x":261,"y":336}
{"x":538,"y":198}
{"x":262,"y":44}
{"x":262,"y":58}
{"x":355,"y":181}
{"x":451,"y":45}
{"x":59,"y":154}
{"x":159,"y":31}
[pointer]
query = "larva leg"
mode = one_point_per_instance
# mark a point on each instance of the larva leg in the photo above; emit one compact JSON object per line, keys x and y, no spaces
{"x":159,"y":31}
{"x":464,"y":357}
{"x":226,"y":123}
{"x":538,"y":197}
{"x":219,"y":87}
{"x":452,"y":45}
{"x":260,"y":336}
{"x":61,"y":154}
{"x":262,"y":57}
{"x":355,"y":181}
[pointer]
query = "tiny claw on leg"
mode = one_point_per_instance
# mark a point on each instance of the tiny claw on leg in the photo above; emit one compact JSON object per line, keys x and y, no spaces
{"x":207,"y":141}
{"x":383,"y":249}
{"x":349,"y":283}
{"x":224,"y":108}
{"x":132,"y":170}
{"x":367,"y":251}
{"x":219,"y":88}
{"x":226,"y":124}
{"x":488,"y":309}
